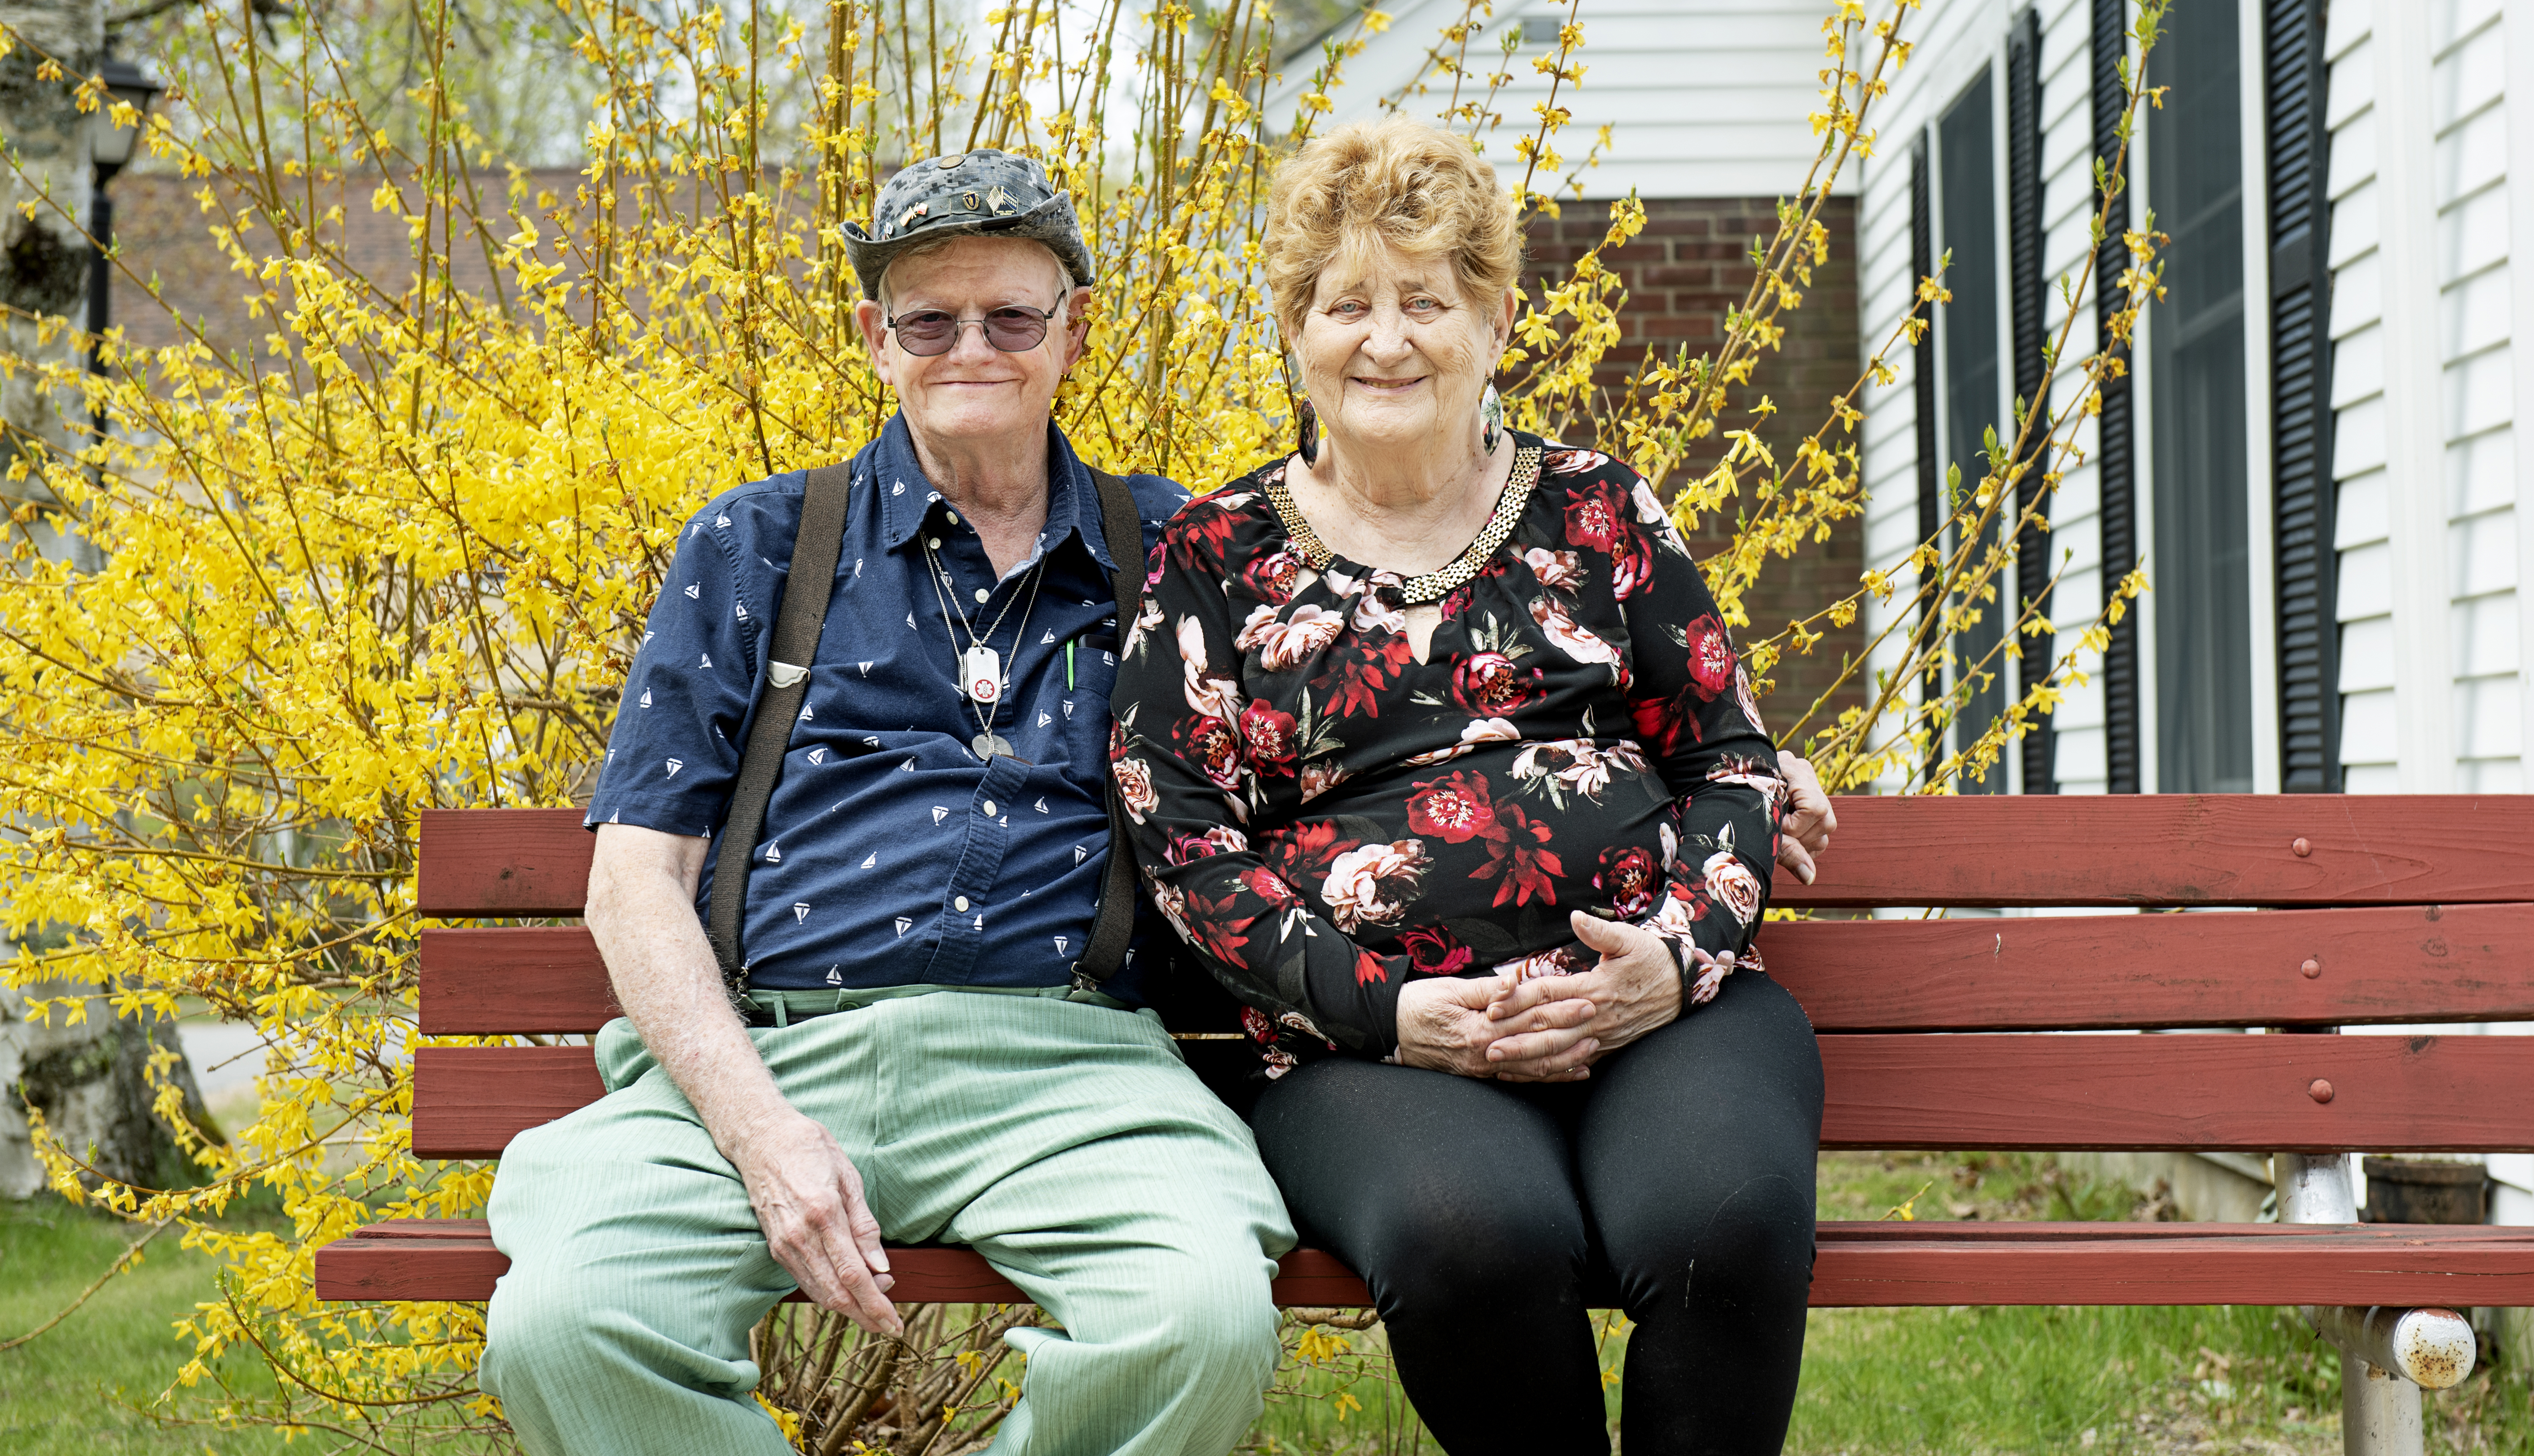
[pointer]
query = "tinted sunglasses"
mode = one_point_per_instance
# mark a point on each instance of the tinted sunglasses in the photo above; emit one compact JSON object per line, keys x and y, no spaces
{"x":1014,"y":329}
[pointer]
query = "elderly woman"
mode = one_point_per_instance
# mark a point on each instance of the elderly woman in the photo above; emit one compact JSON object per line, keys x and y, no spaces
{"x":1437,"y":753}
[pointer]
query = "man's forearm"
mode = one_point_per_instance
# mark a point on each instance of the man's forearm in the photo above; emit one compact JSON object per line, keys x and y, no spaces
{"x":670,"y":986}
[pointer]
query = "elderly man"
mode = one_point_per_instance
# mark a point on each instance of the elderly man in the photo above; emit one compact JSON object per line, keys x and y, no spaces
{"x":919,"y":1055}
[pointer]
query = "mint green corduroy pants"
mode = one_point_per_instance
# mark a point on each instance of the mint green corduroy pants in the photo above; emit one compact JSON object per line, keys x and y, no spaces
{"x":1065,"y":1141}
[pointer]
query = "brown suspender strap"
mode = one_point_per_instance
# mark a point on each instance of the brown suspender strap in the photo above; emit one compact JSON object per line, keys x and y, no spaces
{"x":1124,"y":530}
{"x":792,"y":650}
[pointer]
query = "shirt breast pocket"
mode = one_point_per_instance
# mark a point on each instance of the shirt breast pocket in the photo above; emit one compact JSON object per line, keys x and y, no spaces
{"x":1091,"y":673}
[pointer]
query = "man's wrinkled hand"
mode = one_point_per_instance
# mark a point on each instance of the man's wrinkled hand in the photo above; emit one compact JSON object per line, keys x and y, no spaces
{"x":808,"y":1199}
{"x":1805,"y":828}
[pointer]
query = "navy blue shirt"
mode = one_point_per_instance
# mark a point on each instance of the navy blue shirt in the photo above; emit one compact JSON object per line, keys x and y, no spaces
{"x":892,"y":855}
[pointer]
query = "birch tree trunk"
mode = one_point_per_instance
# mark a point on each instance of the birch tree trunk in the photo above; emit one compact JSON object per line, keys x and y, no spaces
{"x":89,"y":1080}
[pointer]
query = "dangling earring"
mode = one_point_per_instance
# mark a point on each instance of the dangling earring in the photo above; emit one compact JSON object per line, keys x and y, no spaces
{"x":1306,"y":423}
{"x":1491,"y":421}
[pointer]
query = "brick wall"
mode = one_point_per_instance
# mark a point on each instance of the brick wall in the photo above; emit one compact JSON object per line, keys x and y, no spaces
{"x":165,"y":233}
{"x":1690,"y":265}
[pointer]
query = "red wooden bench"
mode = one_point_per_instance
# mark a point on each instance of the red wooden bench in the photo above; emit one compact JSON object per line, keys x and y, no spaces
{"x":1936,"y":1034}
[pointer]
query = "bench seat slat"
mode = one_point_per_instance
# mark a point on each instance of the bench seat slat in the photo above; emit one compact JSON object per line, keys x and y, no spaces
{"x":1996,"y":1091}
{"x":1981,"y":849}
{"x":2409,"y":963}
{"x":1859,"y":1265}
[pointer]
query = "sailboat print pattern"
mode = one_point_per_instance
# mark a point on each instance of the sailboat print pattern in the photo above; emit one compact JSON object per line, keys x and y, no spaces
{"x":974,"y":889}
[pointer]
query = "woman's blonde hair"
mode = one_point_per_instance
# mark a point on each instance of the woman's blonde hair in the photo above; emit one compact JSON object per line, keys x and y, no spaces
{"x":1397,"y":181}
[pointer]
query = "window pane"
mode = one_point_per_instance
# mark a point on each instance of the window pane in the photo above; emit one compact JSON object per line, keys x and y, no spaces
{"x":1966,"y":332}
{"x":2199,"y":567}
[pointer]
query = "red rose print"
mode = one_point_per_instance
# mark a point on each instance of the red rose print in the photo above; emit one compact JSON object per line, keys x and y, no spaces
{"x":1357,"y":673}
{"x":1305,"y":852}
{"x":1593,"y":520}
{"x":1491,"y":685}
{"x":1455,"y":808}
{"x":1627,"y":876}
{"x":1201,"y":536}
{"x":1711,"y":658}
{"x":1368,"y":969}
{"x":1682,"y":907}
{"x":1268,"y":735}
{"x":1273,"y":576}
{"x":1661,"y":721}
{"x":1270,"y":886}
{"x":1433,"y":951}
{"x":1527,"y":872}
{"x":1212,"y":746}
{"x":1214,"y":929}
{"x":1604,"y":521}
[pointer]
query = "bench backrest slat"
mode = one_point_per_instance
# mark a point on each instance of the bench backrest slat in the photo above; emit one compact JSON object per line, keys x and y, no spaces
{"x":2094,"y":972}
{"x":1981,"y":850}
{"x":2014,"y":1091}
{"x":2176,"y":850}
{"x":2416,"y":909}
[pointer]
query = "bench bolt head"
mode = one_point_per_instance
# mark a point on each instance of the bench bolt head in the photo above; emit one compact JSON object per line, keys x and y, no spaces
{"x":2303,"y":846}
{"x":2311,"y":969}
{"x":2319,"y":1089}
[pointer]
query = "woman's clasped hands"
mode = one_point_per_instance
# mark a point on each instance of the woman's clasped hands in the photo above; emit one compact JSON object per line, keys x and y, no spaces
{"x":1547,"y":1028}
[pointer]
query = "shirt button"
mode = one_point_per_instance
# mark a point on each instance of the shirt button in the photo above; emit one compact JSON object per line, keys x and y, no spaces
{"x":933,"y":541}
{"x":953,"y":514}
{"x":961,"y":903}
{"x":989,"y":809}
{"x":982,"y":594}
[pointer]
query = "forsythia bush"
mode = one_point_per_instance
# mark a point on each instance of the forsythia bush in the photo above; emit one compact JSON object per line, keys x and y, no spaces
{"x":399,"y":559}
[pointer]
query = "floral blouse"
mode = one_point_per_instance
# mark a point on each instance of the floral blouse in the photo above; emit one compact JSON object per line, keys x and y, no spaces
{"x":1323,"y":817}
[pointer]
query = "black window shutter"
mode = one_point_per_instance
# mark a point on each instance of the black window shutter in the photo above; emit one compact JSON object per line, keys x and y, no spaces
{"x":1922,"y":384}
{"x":2304,"y":562}
{"x":2025,"y":224}
{"x":2115,"y":452}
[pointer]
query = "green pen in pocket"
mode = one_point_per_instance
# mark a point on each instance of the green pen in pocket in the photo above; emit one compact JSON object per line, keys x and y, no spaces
{"x":1069,"y":667}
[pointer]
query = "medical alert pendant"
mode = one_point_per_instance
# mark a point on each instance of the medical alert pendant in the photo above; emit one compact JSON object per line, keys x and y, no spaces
{"x":981,"y":675}
{"x":988,"y":745}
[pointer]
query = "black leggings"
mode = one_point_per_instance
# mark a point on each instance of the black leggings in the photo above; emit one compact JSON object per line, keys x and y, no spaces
{"x":1487,"y":1218}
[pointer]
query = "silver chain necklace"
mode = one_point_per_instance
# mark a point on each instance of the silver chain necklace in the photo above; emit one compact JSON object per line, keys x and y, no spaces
{"x":979,"y":671}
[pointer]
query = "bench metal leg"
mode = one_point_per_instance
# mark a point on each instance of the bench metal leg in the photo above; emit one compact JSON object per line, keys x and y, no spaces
{"x":2380,"y":1409}
{"x":2379,"y":1412}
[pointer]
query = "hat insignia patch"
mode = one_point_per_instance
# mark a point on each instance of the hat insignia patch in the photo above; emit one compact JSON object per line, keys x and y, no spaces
{"x":969,"y":201}
{"x":998,"y":200}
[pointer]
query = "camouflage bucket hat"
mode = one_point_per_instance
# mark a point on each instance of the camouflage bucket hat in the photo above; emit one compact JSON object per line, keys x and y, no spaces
{"x":973,"y":194}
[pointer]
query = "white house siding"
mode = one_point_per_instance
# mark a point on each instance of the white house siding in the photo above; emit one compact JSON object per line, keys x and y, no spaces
{"x":1957,"y":39}
{"x":2424,"y":394}
{"x":1704,"y":97}
{"x":2080,"y":760}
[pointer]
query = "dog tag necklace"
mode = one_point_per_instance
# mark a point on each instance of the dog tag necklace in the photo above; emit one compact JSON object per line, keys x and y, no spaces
{"x":979,"y":668}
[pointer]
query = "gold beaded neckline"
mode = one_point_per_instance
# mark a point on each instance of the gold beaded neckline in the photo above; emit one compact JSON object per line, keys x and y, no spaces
{"x":1428,"y":586}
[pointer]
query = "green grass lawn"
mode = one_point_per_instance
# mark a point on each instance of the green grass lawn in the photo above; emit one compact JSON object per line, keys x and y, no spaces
{"x":1964,"y":1383}
{"x":73,"y":1391}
